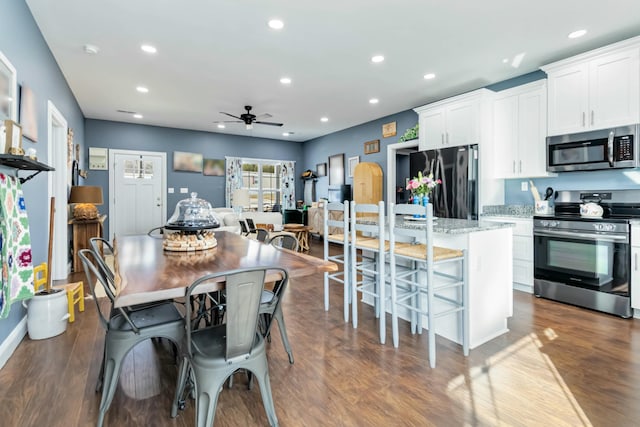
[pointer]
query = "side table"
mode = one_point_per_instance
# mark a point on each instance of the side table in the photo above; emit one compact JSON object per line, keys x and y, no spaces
{"x":83,"y":230}
{"x":302,"y":235}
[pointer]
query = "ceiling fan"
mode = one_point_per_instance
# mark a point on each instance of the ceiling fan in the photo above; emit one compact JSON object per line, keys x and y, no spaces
{"x":249,"y":119}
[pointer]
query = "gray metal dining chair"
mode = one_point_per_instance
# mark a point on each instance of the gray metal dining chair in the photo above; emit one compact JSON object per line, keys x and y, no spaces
{"x":262,"y":235}
{"x":284,"y":241}
{"x":214,"y":353}
{"x":271,"y":308}
{"x":125,"y":329}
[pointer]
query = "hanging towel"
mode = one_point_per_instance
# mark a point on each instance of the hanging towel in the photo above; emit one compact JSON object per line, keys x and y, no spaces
{"x":15,"y":245}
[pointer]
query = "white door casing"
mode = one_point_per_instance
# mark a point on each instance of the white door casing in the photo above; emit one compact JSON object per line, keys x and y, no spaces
{"x":57,"y":187}
{"x":137,"y":184}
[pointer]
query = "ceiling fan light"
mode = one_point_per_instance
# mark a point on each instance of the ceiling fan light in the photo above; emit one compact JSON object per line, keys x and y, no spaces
{"x":249,"y":126}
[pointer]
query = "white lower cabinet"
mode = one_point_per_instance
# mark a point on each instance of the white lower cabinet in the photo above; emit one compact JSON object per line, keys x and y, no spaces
{"x":522,"y":251}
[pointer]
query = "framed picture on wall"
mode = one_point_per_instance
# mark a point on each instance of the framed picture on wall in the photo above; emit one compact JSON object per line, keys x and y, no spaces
{"x":321,"y":169}
{"x":8,"y":91}
{"x":371,"y":147}
{"x":213,"y":167}
{"x":336,"y":169}
{"x":353,"y":162}
{"x":187,"y":162}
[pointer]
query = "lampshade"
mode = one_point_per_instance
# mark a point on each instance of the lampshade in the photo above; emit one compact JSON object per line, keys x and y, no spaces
{"x":240,"y":198}
{"x":86,"y":194}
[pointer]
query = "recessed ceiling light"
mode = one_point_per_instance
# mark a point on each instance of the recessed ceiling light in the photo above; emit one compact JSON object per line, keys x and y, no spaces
{"x":221,"y":126}
{"x":373,"y":101}
{"x":285,"y":81}
{"x":148,"y":48}
{"x":377,"y":58}
{"x":91,"y":49}
{"x":137,"y":116}
{"x":577,"y":33}
{"x":429,"y":76}
{"x":505,"y":60}
{"x":276,"y":24}
{"x":324,"y":119}
{"x":142,"y":89}
{"x":285,"y":134}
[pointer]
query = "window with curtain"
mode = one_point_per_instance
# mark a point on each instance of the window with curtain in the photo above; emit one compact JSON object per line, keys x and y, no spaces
{"x":270,"y":183}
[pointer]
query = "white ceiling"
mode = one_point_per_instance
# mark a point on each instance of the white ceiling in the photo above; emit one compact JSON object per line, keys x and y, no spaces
{"x":220,"y":55}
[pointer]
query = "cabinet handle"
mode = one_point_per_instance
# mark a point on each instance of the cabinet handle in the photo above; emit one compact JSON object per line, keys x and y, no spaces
{"x":442,"y":138}
{"x":584,"y":119}
{"x":447,"y":138}
{"x":592,"y":116}
{"x":514,"y":166}
{"x":520,"y":166}
{"x":635,"y":262}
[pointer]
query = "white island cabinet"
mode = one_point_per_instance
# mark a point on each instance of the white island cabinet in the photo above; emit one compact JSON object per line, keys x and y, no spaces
{"x":489,"y":254}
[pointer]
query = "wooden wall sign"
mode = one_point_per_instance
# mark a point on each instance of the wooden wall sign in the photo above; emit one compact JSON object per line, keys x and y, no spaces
{"x":371,"y":147}
{"x":389,"y":129}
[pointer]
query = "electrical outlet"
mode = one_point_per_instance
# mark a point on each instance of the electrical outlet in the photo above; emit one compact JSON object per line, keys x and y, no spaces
{"x":524,"y":186}
{"x":184,"y":190}
{"x":171,"y":190}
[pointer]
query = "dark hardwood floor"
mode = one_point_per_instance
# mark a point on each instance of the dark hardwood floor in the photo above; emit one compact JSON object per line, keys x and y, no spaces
{"x":558,"y":366}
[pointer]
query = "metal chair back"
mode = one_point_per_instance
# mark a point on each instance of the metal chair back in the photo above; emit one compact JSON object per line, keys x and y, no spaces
{"x":284,"y":241}
{"x":262,"y":235}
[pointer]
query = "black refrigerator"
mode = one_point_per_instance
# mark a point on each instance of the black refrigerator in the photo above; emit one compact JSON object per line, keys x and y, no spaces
{"x":457,"y":167}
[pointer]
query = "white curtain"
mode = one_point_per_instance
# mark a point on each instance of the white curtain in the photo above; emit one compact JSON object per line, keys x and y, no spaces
{"x":288,"y":185}
{"x":233,"y":177}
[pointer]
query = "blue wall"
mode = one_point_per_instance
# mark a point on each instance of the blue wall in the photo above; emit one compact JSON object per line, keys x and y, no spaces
{"x":22,"y":43}
{"x":126,"y":136}
{"x":351,"y":142}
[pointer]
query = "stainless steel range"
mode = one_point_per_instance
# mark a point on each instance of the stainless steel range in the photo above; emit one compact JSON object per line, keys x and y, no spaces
{"x":585,"y":260}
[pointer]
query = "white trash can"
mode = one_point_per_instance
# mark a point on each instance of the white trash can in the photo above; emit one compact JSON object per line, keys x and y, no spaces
{"x":47,"y":314}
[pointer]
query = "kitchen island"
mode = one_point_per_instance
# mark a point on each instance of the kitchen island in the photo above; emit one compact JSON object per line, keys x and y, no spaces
{"x":489,"y":247}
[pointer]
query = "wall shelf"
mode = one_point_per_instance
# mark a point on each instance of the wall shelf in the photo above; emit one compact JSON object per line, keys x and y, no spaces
{"x":24,"y":163}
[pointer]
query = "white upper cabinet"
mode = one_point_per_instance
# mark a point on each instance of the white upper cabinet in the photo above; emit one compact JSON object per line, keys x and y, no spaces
{"x":519,"y":130}
{"x":595,"y":90}
{"x":452,"y":122}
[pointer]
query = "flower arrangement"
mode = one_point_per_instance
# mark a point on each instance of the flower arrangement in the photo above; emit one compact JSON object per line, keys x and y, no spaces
{"x":422,"y":185}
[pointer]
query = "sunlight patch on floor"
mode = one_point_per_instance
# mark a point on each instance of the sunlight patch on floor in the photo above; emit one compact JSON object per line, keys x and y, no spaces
{"x":518,"y":386}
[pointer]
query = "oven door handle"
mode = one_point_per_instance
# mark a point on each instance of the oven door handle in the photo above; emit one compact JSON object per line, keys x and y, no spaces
{"x":582,"y":236}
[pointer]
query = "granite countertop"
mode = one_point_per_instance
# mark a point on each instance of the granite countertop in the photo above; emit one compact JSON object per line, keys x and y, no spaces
{"x":515,"y":211}
{"x":457,"y":226}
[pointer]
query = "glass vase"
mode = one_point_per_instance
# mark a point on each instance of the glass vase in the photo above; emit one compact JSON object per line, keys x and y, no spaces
{"x":425,"y":202}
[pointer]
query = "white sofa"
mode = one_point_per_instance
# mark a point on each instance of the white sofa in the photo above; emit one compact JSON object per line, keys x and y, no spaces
{"x":227,"y":218}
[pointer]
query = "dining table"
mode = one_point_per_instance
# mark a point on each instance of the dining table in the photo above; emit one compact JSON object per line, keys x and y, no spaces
{"x":146,"y":272}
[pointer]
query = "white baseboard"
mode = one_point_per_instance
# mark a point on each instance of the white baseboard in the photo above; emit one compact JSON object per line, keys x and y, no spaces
{"x":10,"y":344}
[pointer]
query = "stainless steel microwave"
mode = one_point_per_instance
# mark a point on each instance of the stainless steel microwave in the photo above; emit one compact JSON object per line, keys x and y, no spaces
{"x":594,"y":150}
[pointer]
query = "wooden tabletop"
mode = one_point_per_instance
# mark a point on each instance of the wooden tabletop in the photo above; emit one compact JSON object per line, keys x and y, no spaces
{"x":145,"y":272}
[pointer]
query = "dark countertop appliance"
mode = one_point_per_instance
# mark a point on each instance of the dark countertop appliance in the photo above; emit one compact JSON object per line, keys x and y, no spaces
{"x":585,"y":259}
{"x":457,"y":167}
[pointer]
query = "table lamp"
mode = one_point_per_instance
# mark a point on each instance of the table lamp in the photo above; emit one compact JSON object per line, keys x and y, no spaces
{"x":239,"y":199}
{"x":85,"y":198}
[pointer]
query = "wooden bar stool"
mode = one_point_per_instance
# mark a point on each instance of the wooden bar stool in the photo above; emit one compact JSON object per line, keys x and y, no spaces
{"x":75,"y":291}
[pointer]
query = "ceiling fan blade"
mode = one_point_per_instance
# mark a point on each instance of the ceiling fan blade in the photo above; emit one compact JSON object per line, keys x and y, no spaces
{"x":230,"y":115}
{"x":228,"y":121}
{"x":269,"y":123}
{"x":264,"y":116}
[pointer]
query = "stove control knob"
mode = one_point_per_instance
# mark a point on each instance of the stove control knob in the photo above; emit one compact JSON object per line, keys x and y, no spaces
{"x":544,"y":223}
{"x":553,"y":223}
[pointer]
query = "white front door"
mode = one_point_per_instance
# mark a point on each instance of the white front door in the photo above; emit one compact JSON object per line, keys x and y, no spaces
{"x":136,"y":192}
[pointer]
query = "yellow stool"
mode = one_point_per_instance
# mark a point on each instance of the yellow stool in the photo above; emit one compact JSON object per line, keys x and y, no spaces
{"x":75,"y":291}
